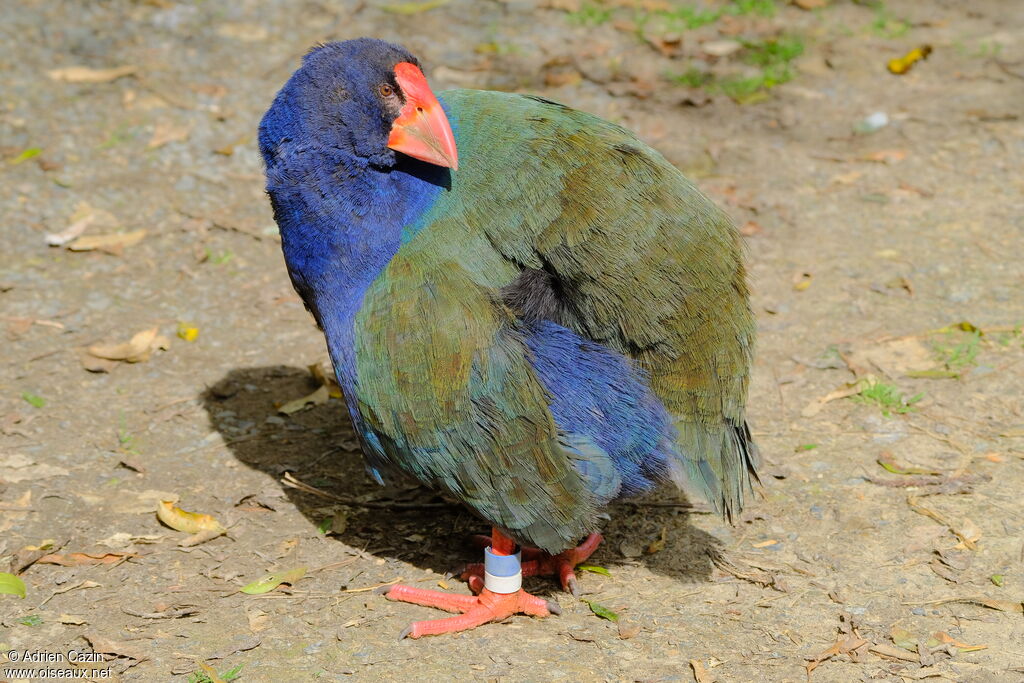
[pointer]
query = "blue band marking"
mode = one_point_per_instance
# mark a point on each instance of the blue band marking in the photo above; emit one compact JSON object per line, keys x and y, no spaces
{"x":502,"y":565}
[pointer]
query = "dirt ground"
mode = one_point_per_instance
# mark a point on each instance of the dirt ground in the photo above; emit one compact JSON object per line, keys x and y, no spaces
{"x":886,"y":543}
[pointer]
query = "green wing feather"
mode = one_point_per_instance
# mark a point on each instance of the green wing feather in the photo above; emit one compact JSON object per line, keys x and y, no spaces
{"x":443,"y":373}
{"x":645,"y":264}
{"x":648,"y":265}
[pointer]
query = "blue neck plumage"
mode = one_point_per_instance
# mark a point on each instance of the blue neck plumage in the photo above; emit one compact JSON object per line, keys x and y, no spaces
{"x":341,"y":222}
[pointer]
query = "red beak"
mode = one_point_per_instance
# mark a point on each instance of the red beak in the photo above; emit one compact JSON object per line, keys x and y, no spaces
{"x":421,"y":129}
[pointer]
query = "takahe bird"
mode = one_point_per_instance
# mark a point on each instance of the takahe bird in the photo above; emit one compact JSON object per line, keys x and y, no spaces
{"x":528,"y":309}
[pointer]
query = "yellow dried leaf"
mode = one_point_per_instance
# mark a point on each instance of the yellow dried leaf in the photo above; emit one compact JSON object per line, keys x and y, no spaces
{"x":189,"y":522}
{"x":187,"y":332}
{"x":85,"y":74}
{"x":318,"y":397}
{"x":113,"y":242}
{"x":211,"y":673}
{"x":658,"y":544}
{"x":901,"y":65}
{"x":139,"y":348}
{"x":326,"y":379}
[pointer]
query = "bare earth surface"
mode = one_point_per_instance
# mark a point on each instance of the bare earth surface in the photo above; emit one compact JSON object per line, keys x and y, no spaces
{"x":863,"y":247}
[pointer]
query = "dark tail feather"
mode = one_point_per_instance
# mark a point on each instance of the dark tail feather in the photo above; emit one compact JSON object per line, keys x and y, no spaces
{"x":719,"y":463}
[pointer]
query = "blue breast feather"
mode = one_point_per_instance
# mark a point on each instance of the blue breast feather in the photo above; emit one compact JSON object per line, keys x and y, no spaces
{"x":619,"y":431}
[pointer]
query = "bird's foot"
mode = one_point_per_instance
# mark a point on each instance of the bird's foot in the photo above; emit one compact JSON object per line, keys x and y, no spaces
{"x":536,"y":562}
{"x":474,"y":609}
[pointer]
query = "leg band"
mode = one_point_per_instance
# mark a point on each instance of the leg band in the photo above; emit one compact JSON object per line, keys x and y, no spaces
{"x":502,"y":573}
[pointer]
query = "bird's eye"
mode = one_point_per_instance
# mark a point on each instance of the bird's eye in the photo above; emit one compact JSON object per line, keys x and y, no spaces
{"x":385,"y":90}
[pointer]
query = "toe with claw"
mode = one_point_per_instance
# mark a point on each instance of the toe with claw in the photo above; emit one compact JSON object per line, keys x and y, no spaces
{"x":473,"y":610}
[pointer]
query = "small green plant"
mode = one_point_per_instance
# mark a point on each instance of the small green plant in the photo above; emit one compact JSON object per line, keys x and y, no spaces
{"x":123,"y":133}
{"x":692,"y":78}
{"x":764,"y":8}
{"x":1006,"y":338}
{"x":743,"y":88}
{"x":681,"y":17}
{"x":961,"y":354}
{"x":591,"y":14}
{"x":32,"y":399}
{"x":887,"y":25}
{"x":202,"y":677}
{"x":688,"y":18}
{"x":125,"y":439}
{"x":888,"y":397}
{"x":774,"y":57}
{"x":31,"y":620}
{"x":220,"y":258}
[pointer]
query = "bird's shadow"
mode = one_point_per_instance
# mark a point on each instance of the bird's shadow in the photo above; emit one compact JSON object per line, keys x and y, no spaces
{"x":317,"y":448}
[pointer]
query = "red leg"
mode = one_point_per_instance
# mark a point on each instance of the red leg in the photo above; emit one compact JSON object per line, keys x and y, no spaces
{"x":475,"y":610}
{"x":540,"y":563}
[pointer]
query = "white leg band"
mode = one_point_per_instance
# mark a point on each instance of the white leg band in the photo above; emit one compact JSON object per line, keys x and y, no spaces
{"x":503,"y":584}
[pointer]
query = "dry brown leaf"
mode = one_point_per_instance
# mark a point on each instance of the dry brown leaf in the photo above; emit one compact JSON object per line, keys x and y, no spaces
{"x":658,"y":544}
{"x":969,"y":534}
{"x":121,"y":648}
{"x":114,"y":242}
{"x":892,"y":652}
{"x":967,"y":537}
{"x":236,"y":647}
{"x":122,"y":540}
{"x":669,"y":46}
{"x":246,"y":32}
{"x":628,"y":628}
{"x":840,"y":647}
{"x":810,"y":4}
{"x":258,"y":620}
{"x":886,"y":156}
{"x":815,"y":406}
{"x":93,"y":364}
{"x":85,"y":74}
{"x":77,"y":227}
{"x":560,"y":77}
{"x":139,"y":348}
{"x":71,"y":620}
{"x":893,"y":358}
{"x":846,"y":178}
{"x":168,"y":131}
{"x":318,"y":397}
{"x":16,"y":468}
{"x":71,"y":587}
{"x":29,"y":555}
{"x":80,"y":559}
{"x":700,"y":674}
{"x":751,"y":228}
{"x":981,"y":601}
{"x":199,"y":537}
{"x":946,"y":639}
